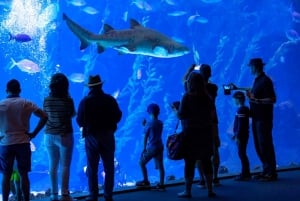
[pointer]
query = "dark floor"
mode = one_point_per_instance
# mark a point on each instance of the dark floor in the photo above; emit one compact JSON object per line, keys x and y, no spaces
{"x":286,"y":188}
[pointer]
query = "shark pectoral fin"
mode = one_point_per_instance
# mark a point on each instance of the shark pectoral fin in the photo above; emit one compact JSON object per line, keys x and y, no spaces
{"x":159,"y":50}
{"x":100,"y":49}
{"x":83,"y":45}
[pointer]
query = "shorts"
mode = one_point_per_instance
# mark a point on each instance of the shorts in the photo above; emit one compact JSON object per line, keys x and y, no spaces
{"x":19,"y":152}
{"x":157,"y":155}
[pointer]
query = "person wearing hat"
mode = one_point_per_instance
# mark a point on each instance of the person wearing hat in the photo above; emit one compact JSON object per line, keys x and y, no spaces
{"x":241,"y":134}
{"x":152,"y":147}
{"x":98,"y":115}
{"x":15,"y":113}
{"x":262,"y":98}
{"x":58,"y":138}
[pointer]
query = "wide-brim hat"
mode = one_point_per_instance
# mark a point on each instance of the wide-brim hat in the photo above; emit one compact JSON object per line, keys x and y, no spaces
{"x":256,"y":62}
{"x":94,"y":81}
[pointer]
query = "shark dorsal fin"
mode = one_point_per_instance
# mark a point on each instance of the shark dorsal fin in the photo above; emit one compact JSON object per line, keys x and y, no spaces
{"x":107,"y":28}
{"x":134,"y":24}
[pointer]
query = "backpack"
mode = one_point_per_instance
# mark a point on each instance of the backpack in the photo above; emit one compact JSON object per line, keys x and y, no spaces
{"x":174,"y":146}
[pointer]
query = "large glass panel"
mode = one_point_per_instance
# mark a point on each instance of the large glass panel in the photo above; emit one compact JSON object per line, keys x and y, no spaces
{"x":36,"y":43}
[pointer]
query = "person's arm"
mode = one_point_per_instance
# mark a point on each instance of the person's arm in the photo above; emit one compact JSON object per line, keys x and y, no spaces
{"x":188,"y":72}
{"x":43,"y":119}
{"x":146,"y":135}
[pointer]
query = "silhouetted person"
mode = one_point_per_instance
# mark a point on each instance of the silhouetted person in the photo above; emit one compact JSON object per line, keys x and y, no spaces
{"x":58,"y":138}
{"x":98,"y":115}
{"x":153,"y":147}
{"x":15,"y":113}
{"x":241,"y":134}
{"x":196,"y":112}
{"x":262,"y":97}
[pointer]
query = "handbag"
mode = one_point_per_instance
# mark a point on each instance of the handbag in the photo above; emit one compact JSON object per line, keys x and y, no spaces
{"x":174,"y":145}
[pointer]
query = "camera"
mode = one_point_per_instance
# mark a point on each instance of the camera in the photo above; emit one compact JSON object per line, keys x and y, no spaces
{"x":228,"y":88}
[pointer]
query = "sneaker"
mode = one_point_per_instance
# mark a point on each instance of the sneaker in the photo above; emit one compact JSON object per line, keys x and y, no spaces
{"x":184,"y":194}
{"x":201,"y":184}
{"x":159,"y":187}
{"x":216,"y":182}
{"x":242,"y":178}
{"x":142,"y":184}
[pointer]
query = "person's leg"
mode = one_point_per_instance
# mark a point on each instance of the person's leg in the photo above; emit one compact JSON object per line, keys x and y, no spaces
{"x":7,"y":158}
{"x":208,"y":172}
{"x":159,"y":164}
{"x":23,"y":158}
{"x":93,"y":157}
{"x":146,"y":156}
{"x":215,"y":164}
{"x":66,"y":152}
{"x":25,"y":185}
{"x":268,"y":148}
{"x":257,"y":141}
{"x":6,"y":185}
{"x":242,"y":152}
{"x":107,"y":152}
{"x":189,"y":171}
{"x":216,"y":156}
{"x":53,"y":157}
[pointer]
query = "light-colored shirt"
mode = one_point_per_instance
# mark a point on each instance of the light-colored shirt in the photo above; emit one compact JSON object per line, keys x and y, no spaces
{"x":15,"y":116}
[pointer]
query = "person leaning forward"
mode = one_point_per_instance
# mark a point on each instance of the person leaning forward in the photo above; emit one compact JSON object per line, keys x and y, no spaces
{"x":98,"y":115}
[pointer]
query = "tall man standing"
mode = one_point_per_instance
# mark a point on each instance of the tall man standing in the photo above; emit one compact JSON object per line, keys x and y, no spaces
{"x":98,"y":115}
{"x":262,"y":97}
{"x":15,"y":113}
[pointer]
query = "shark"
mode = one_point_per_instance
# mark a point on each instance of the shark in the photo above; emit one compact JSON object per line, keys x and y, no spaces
{"x":137,"y":40}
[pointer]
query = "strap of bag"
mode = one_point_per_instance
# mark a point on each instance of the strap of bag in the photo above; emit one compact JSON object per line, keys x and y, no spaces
{"x":177,"y":124}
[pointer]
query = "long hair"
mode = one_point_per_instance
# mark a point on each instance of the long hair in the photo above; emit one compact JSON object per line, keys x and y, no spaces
{"x":59,"y":85}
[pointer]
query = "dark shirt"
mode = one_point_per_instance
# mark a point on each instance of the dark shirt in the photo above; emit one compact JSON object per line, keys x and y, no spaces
{"x":60,"y":112}
{"x":98,"y":112}
{"x":153,"y":129}
{"x":241,"y":123}
{"x":262,"y":88}
{"x":195,"y":111}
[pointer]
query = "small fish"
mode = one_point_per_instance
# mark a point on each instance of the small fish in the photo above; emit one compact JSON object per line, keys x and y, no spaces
{"x":177,"y":13}
{"x":141,"y":4}
{"x":90,"y":10}
{"x":20,"y":37}
{"x":76,"y":77}
{"x":77,"y":3}
{"x":196,"y":18}
{"x":26,"y":66}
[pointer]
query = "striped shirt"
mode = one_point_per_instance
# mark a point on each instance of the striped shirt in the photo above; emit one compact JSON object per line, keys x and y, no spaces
{"x":60,"y":112}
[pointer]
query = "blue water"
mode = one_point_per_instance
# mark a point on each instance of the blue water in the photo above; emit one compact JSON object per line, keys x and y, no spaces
{"x":222,"y":33}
